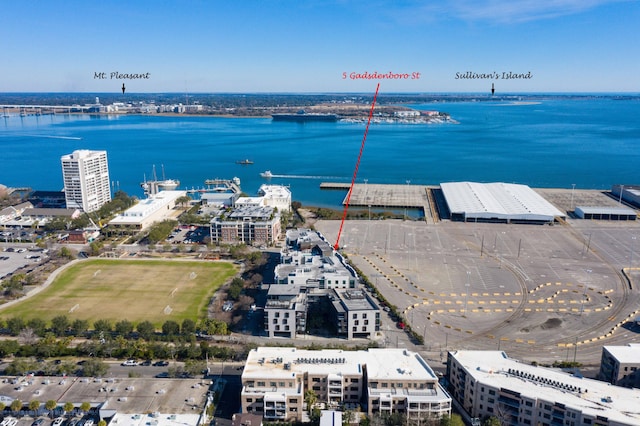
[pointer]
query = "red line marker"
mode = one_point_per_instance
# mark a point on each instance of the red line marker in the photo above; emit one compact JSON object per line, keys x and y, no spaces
{"x":355,"y":172}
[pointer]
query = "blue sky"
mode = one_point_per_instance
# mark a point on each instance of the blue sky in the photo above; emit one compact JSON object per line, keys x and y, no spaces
{"x":306,"y":46}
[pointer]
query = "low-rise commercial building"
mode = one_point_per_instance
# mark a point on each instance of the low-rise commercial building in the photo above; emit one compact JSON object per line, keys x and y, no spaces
{"x":620,"y":365}
{"x":10,"y":213}
{"x":489,"y":383}
{"x":276,"y":196}
{"x":156,"y":208}
{"x":383,"y":381}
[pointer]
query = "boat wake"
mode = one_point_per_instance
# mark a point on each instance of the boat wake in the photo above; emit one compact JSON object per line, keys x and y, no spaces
{"x":73,"y":138}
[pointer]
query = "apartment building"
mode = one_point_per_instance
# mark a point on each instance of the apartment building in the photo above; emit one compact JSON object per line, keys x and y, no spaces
{"x":86,"y":180}
{"x":356,"y":314}
{"x":381,"y":381}
{"x":620,"y":365}
{"x":489,"y":383}
{"x":285,"y":311}
{"x":248,"y":225}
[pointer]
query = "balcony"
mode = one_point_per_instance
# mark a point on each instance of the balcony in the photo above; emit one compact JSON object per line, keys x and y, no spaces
{"x":509,"y":402}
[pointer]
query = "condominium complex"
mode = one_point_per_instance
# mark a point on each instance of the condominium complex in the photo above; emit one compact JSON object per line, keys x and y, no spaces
{"x":86,"y":180}
{"x":309,"y":273}
{"x":489,"y":383}
{"x":354,"y":313}
{"x":247,"y":224}
{"x":275,"y":381}
{"x":251,"y":220}
{"x":620,"y":365}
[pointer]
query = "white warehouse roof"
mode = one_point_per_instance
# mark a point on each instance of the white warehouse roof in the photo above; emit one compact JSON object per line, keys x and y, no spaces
{"x":497,"y":201}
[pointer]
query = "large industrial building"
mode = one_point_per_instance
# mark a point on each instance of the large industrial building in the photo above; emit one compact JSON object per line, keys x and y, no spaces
{"x":381,"y":381}
{"x":489,"y":383}
{"x":86,"y":180}
{"x":627,"y":193}
{"x":620,"y":365}
{"x":497,"y":202}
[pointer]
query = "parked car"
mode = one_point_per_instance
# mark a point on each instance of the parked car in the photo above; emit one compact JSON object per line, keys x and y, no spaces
{"x":161,"y":363}
{"x":129,"y":363}
{"x":58,"y":421}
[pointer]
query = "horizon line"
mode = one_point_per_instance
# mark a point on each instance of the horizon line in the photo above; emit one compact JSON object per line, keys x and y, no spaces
{"x":486,"y":93}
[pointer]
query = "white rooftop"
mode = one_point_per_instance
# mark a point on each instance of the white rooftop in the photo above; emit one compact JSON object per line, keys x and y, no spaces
{"x":258,"y":201}
{"x":381,"y":364}
{"x":498,"y":200}
{"x":274,"y":191}
{"x":595,"y":398}
{"x":629,"y":354}
{"x":157,"y":419}
{"x":397,"y":364}
{"x":269,"y":362}
{"x":145,"y":208}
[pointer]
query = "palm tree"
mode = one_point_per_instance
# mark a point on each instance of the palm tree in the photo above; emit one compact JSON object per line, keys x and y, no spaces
{"x":311,"y":398}
{"x":183,"y":200}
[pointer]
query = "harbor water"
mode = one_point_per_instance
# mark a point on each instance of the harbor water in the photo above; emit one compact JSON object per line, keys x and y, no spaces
{"x":592,"y":143}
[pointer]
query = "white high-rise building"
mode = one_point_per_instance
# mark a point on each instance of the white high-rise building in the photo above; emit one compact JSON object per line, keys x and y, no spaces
{"x":86,"y":179}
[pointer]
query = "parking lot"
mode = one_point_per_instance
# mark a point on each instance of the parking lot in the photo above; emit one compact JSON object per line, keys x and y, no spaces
{"x":189,"y":235}
{"x":16,"y":257}
{"x":525,"y":288}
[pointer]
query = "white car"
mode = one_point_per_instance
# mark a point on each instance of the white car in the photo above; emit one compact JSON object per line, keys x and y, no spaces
{"x":58,"y":421}
{"x":89,"y":422}
{"x":130,"y":363}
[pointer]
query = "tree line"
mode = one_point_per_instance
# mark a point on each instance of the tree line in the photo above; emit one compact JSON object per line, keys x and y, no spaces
{"x":61,"y":326}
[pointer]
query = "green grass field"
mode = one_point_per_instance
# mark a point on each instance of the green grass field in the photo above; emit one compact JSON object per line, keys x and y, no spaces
{"x":135,"y":290}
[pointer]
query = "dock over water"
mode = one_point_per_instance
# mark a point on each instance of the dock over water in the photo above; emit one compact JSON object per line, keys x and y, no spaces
{"x":388,"y":196}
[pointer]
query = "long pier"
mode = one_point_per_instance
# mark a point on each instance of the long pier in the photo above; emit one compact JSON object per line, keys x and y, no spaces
{"x":388,"y":196}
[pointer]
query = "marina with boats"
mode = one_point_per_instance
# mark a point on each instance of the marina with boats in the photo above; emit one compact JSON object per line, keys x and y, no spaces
{"x":152,"y":187}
